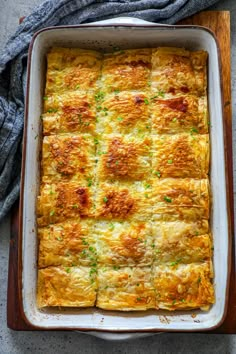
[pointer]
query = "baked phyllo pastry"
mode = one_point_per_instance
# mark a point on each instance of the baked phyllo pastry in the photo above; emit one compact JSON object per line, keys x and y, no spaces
{"x":180,"y":199}
{"x":184,"y":286}
{"x":67,"y":286}
{"x":68,"y":157}
{"x":61,"y":201}
{"x":181,"y":242}
{"x":124,"y":202}
{"x":124,"y":244}
{"x":126,"y":70}
{"x":69,"y":112}
{"x":123,"y":158}
{"x":178,"y":113}
{"x":181,"y":155}
{"x":124,"y":112}
{"x":176,"y":70}
{"x":72,"y":69}
{"x":71,"y":243}
{"x":125,"y":289}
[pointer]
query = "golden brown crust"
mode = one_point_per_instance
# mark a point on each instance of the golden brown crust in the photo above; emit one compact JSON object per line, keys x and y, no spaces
{"x":66,"y":286}
{"x":58,"y":202}
{"x":180,"y":199}
{"x":71,"y":243}
{"x":181,"y":242}
{"x":67,"y":157}
{"x":69,"y":112}
{"x":72,"y":69}
{"x":176,"y":70}
{"x":125,"y":289}
{"x":127,"y":70}
{"x":181,"y":155}
{"x":183,"y":286}
{"x":125,"y":202}
{"x":176,"y":114}
{"x":124,"y":244}
{"x":123,"y":207}
{"x":124,"y":159}
{"x":124,"y":112}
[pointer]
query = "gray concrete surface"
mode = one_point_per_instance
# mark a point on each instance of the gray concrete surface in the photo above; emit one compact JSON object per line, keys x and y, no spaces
{"x":72,"y":342}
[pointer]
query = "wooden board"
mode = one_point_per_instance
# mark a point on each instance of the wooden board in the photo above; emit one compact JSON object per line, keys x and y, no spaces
{"x":219,"y":23}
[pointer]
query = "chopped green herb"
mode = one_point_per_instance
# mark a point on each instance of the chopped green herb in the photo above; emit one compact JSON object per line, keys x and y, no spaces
{"x":36,"y":136}
{"x":170,"y":162}
{"x":106,"y":287}
{"x":99,"y":96}
{"x":84,"y":242}
{"x":116,"y":92}
{"x":52,"y":212}
{"x":167,"y":199}
{"x":90,"y":181}
{"x":137,"y":284}
{"x":174,"y":120}
{"x":196,"y":233}
{"x":199,"y":280}
{"x":161,"y":93}
{"x":146,"y":195}
{"x":120,"y":119}
{"x":117,"y":162}
{"x":182,"y":300}
{"x":105,"y":199}
{"x":139,"y":239}
{"x":96,"y":141}
{"x":52,"y":110}
{"x":149,"y":83}
{"x":116,"y":267}
{"x":45,"y":98}
{"x":92,"y":249}
{"x":112,"y":226}
{"x":138,"y":299}
{"x":157,"y":173}
{"x":146,"y":101}
{"x":92,"y":271}
{"x":153,"y":245}
{"x":75,"y":206}
{"x":59,"y":238}
{"x":77,"y":87}
{"x":68,"y":270}
{"x":193,"y":130}
{"x":173,"y":302}
{"x":147,"y":186}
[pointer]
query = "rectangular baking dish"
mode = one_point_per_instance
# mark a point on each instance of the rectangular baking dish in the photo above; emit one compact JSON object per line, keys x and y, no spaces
{"x":122,"y":33}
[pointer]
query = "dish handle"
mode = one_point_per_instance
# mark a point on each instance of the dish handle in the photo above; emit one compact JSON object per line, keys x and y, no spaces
{"x":121,"y":21}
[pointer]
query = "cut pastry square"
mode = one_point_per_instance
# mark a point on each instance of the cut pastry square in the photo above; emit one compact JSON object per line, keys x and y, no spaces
{"x":124,"y":244}
{"x":126,"y":70}
{"x":67,"y":286}
{"x":180,"y":113}
{"x":184,"y":286}
{"x":181,"y":155}
{"x":176,"y":70}
{"x":125,"y":289}
{"x":72,"y":69}
{"x":124,"y":202}
{"x":123,"y":158}
{"x":58,"y":202}
{"x":68,"y":157}
{"x":181,"y":242}
{"x":180,"y":199}
{"x":71,"y":243}
{"x":124,"y":112}
{"x":69,"y":112}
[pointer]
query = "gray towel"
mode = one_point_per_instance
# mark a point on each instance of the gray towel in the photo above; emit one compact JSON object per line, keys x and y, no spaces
{"x":13,"y":61}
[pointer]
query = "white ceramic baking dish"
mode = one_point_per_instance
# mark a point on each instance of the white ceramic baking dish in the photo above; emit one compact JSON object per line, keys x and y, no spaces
{"x":122,"y":33}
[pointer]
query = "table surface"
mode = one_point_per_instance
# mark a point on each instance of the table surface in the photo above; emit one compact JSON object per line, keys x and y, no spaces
{"x":71,"y":342}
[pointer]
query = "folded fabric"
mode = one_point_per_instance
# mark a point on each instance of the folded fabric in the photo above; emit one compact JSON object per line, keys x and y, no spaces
{"x":13,"y":62}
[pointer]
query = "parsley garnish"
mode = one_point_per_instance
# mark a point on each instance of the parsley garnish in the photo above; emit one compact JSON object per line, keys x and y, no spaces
{"x":167,"y":199}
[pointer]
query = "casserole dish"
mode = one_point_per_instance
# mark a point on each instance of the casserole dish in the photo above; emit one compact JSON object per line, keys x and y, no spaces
{"x":129,"y":33}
